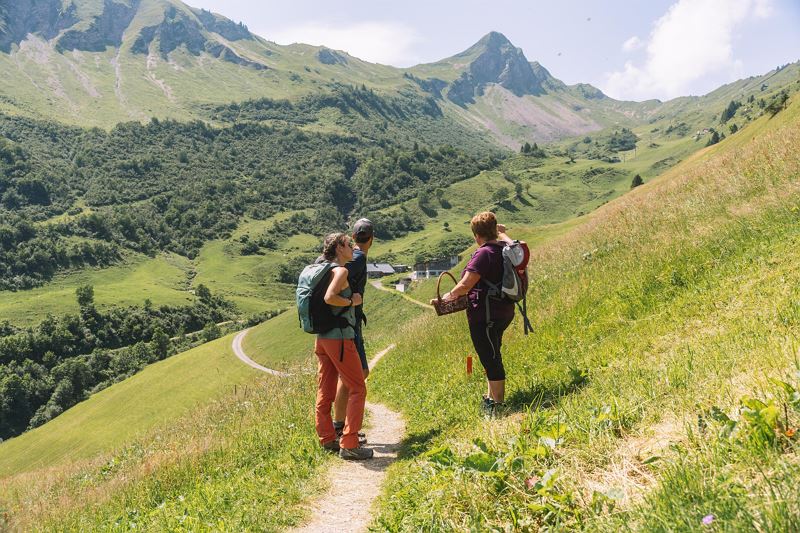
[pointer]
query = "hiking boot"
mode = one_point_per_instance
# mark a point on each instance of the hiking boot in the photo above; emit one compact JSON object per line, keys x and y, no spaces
{"x":356,"y":454}
{"x":492,"y":409}
{"x":487,"y":407}
{"x":362,"y":437}
{"x":499,"y":410}
{"x":332,"y":446}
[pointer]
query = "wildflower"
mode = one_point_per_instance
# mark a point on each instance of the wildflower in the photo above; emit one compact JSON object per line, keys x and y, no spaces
{"x":790,"y":432}
{"x":708,"y":519}
{"x":531,"y":482}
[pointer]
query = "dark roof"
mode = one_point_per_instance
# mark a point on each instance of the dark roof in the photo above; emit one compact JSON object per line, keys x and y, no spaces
{"x":383,"y":268}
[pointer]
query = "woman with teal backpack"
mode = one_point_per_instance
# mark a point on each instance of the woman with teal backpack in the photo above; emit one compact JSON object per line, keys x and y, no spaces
{"x":338,"y":357}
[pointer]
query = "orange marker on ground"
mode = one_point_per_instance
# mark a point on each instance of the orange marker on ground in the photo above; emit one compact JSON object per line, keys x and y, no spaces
{"x":469,"y":365}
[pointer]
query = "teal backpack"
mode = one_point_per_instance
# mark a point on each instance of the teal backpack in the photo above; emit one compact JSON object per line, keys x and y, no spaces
{"x":315,"y":315}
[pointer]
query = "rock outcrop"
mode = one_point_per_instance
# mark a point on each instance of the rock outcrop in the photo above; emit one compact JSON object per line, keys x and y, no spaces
{"x":331,"y":57}
{"x":47,"y":18}
{"x":181,"y":29}
{"x":105,"y":30}
{"x":495,"y":60}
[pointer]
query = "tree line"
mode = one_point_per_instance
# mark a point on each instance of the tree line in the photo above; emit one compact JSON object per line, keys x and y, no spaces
{"x":50,"y":367}
{"x":71,"y":198}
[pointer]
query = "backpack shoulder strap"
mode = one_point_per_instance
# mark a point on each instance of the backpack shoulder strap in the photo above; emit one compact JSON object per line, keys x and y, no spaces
{"x":496,"y":289}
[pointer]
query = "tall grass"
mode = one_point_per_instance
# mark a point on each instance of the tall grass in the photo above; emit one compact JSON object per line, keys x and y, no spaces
{"x":677,"y":298}
{"x":248,"y":460}
{"x":244,"y":462}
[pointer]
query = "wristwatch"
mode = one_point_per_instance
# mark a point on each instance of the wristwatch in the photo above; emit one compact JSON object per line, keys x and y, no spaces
{"x":351,"y":302}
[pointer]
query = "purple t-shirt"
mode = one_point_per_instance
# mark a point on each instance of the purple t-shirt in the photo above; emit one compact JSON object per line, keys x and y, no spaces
{"x":487,"y":261}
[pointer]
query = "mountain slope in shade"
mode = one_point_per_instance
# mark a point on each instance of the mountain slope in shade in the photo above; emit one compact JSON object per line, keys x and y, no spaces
{"x":42,"y":17}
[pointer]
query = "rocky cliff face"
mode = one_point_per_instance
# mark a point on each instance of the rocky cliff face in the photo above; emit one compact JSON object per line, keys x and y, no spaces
{"x":225,"y":27}
{"x":47,"y":18}
{"x":181,"y":29}
{"x":105,"y":30}
{"x":182,"y":26}
{"x":497,"y":61}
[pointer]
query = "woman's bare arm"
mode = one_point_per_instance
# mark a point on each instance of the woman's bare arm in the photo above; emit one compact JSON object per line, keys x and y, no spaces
{"x":465,"y":285}
{"x":338,"y":284}
{"x":462,"y":287}
{"x":501,"y":234}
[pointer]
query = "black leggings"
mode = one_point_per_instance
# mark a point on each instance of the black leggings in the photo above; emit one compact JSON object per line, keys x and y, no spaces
{"x":487,"y":342}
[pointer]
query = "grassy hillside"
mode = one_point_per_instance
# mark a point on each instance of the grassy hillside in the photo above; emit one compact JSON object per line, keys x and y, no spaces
{"x":245,"y":461}
{"x":117,"y":415}
{"x":675,"y":302}
{"x":280,"y":343}
{"x":249,"y":280}
{"x":163,"y":280}
{"x":191,"y":438}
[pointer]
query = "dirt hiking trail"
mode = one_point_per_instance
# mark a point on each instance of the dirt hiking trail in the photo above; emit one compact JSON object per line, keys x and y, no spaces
{"x":351,"y":509}
{"x":377,"y":285}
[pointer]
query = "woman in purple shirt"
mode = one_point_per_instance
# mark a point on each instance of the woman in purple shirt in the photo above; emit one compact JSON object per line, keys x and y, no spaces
{"x":486,"y":326}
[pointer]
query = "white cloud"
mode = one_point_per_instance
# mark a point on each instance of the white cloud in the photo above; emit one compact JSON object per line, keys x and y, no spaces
{"x":634,"y":43}
{"x":693,"y":40}
{"x":378,"y":42}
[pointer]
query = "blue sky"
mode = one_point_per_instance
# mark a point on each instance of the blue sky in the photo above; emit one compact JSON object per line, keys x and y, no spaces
{"x":630,"y":49}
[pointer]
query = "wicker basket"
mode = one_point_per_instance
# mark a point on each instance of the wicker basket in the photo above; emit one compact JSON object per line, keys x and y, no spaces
{"x":450,"y":306}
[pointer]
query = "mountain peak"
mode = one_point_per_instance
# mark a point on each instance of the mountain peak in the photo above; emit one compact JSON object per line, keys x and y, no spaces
{"x":494,"y":59}
{"x":494,"y":39}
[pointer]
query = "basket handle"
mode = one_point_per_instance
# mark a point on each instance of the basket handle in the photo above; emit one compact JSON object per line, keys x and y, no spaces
{"x":439,"y":283}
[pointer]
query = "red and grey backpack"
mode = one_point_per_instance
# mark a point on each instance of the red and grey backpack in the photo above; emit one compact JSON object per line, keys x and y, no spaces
{"x":514,"y":286}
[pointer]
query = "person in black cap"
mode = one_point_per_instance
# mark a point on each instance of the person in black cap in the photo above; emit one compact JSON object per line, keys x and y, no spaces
{"x":363,"y":235}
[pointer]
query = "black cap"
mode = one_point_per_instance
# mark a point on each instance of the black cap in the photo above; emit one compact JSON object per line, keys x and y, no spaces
{"x":363,"y":230}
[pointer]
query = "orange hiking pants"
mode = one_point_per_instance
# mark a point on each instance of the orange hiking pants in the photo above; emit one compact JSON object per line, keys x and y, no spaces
{"x":331,"y":368}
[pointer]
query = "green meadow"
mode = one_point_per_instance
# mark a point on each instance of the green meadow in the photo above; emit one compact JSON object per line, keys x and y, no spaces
{"x":279,"y":343}
{"x":660,"y":385}
{"x":113,"y":417}
{"x":194,"y":438}
{"x":247,"y":281}
{"x":163,"y":280}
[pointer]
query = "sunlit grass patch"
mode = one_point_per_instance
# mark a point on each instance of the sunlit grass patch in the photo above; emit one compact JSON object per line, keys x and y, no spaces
{"x":244,"y":462}
{"x":676,"y":298}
